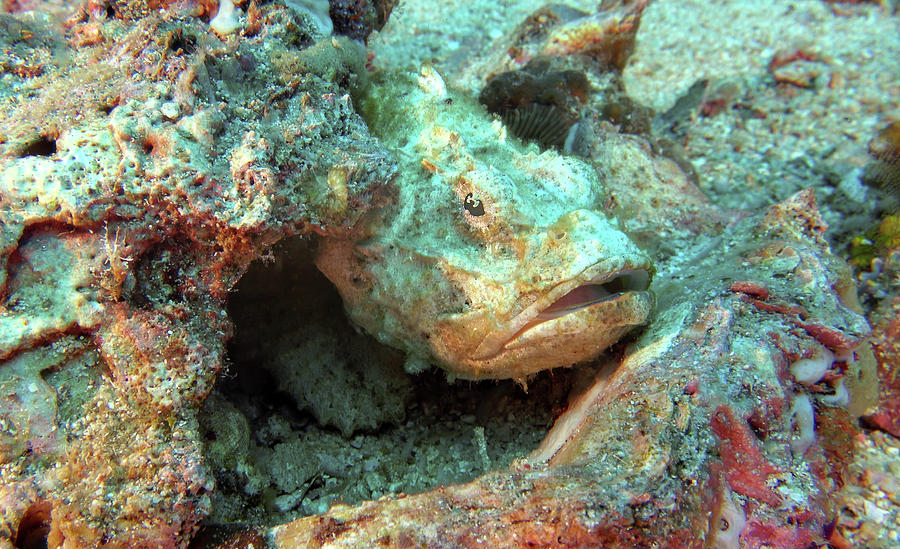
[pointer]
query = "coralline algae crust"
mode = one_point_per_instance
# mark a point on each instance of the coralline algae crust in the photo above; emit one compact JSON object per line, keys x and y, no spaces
{"x":139,"y":178}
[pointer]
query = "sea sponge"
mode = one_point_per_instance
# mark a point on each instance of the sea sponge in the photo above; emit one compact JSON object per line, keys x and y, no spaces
{"x":808,"y":371}
{"x":803,"y":418}
{"x":729,"y":521}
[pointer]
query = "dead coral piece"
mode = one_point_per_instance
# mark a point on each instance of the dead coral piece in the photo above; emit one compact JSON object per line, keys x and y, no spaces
{"x":131,"y":476}
{"x":607,"y":37}
{"x":798,"y":67}
{"x":600,"y":42}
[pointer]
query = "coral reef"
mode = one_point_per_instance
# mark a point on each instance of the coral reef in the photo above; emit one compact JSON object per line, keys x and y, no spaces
{"x":152,"y":151}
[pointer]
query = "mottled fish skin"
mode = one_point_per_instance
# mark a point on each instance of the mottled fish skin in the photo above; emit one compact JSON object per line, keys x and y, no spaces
{"x":481,"y":236}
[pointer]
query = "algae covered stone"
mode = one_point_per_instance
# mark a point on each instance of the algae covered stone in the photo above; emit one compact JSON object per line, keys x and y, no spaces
{"x":143,"y":166}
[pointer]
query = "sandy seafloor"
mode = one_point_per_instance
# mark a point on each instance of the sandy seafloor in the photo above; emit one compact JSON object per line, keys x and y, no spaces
{"x":809,"y":137}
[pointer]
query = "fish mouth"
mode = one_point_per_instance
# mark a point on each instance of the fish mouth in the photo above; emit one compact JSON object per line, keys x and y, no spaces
{"x":564,"y":299}
{"x":594,"y":292}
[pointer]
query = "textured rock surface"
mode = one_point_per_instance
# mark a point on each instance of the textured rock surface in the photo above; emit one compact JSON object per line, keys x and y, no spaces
{"x":144,"y":165}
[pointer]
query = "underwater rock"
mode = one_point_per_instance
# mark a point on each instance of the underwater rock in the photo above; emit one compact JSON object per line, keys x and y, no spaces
{"x":886,"y":344}
{"x":696,"y":390}
{"x":358,"y":18}
{"x":139,"y":179}
{"x":798,"y":67}
{"x":603,"y":39}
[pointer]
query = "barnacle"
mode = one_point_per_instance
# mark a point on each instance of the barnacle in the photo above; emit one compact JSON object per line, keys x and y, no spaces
{"x":538,"y":102}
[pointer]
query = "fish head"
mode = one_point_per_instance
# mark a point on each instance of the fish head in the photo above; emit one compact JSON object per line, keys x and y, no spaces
{"x":491,"y":261}
{"x":486,"y":287}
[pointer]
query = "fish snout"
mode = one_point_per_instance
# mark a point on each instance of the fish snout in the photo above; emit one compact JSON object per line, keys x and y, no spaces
{"x":584,"y":239}
{"x":583,"y":285}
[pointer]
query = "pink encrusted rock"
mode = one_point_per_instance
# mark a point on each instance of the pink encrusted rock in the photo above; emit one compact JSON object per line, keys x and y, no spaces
{"x":746,"y":469}
{"x":638,"y":459}
{"x":557,"y":30}
{"x":886,"y":343}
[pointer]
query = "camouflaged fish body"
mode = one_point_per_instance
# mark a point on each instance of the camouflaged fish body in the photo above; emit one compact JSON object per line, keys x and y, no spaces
{"x":493,"y":260}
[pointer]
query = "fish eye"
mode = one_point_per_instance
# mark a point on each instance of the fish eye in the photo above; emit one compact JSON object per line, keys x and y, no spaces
{"x":473,"y":205}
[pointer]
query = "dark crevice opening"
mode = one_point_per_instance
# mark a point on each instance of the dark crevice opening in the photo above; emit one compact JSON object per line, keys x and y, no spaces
{"x":34,"y":528}
{"x":297,"y":453}
{"x":43,"y":146}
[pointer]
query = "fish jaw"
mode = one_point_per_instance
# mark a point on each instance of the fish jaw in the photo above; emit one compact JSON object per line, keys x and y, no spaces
{"x":581,"y":286}
{"x":485,"y":346}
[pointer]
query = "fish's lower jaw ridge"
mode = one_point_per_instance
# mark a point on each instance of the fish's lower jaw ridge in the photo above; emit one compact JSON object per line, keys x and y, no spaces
{"x":577,"y":337}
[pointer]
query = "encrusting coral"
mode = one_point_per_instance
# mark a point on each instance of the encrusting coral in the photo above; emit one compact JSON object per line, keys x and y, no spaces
{"x":139,"y":179}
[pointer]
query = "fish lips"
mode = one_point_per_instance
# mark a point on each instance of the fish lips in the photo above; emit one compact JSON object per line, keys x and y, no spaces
{"x":581,"y":334}
{"x":576,"y":318}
